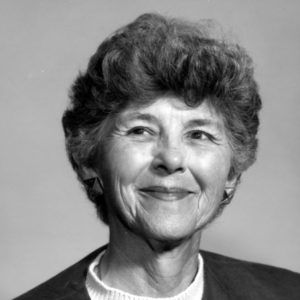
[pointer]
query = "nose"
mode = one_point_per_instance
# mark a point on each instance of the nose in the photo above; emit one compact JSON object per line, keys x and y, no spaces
{"x":169,"y":160}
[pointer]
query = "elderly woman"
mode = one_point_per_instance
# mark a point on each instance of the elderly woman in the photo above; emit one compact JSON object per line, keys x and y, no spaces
{"x":160,"y":128}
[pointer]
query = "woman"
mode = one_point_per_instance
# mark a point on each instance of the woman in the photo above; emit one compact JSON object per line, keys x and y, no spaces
{"x":160,"y":128}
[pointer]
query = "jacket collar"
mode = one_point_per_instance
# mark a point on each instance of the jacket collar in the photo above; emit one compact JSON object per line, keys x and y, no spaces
{"x":75,"y":289}
{"x":73,"y":284}
{"x":213,"y":281}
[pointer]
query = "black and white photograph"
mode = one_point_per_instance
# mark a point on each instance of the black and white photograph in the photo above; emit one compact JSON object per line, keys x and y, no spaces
{"x":150,"y":150}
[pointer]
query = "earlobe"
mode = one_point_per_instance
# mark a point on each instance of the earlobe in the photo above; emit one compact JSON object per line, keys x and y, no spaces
{"x":227,"y":197}
{"x":232,"y":183}
{"x":230,"y":189}
{"x":91,"y":179}
{"x":94,"y":184}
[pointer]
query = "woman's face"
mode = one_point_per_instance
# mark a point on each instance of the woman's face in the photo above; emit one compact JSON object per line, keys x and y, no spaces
{"x":164,"y":168}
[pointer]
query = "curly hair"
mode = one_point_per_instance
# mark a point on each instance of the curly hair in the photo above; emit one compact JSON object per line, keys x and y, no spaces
{"x":152,"y":56}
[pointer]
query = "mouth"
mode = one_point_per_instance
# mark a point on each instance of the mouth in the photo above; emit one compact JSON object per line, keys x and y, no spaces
{"x":165,"y":193}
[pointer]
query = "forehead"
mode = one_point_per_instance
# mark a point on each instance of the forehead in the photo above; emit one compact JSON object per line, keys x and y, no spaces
{"x":172,"y":107}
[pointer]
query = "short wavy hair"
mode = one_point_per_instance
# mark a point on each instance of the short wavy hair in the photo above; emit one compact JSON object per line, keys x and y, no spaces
{"x":152,"y":56}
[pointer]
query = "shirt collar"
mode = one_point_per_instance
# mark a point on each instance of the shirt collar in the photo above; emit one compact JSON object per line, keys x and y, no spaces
{"x":97,"y":288}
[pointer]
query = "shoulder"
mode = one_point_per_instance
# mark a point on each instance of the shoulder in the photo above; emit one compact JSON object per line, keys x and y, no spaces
{"x":68,"y":284}
{"x":249,"y":280}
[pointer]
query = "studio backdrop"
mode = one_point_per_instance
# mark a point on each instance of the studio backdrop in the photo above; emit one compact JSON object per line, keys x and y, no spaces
{"x":46,"y":221}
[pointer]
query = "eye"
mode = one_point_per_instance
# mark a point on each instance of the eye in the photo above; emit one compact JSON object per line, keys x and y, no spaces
{"x":199,"y":135}
{"x":203,"y":136}
{"x":140,"y":130}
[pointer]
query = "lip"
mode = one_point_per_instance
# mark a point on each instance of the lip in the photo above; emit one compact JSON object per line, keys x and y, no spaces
{"x":165,"y":193}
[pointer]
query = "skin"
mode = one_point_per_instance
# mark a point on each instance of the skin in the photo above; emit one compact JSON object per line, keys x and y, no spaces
{"x":164,"y":169}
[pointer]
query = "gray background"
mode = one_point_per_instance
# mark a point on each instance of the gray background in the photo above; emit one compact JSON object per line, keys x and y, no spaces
{"x":46,"y":221}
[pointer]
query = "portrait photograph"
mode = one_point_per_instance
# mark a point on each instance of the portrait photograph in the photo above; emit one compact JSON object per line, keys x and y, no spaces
{"x":150,"y":150}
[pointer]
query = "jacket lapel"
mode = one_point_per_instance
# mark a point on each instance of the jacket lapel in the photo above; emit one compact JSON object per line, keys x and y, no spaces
{"x":75,"y":292}
{"x":213,"y":288}
{"x":71,"y":286}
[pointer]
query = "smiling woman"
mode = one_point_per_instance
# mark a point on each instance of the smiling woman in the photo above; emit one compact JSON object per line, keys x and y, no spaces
{"x":160,"y":129}
{"x":168,"y":152}
{"x":165,"y":167}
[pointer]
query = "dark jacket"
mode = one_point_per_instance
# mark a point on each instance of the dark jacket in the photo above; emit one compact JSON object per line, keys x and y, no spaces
{"x":224,"y":278}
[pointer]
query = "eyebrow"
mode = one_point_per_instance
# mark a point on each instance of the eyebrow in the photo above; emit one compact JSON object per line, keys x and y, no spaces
{"x":191,"y":123}
{"x":140,"y":116}
{"x":204,"y":122}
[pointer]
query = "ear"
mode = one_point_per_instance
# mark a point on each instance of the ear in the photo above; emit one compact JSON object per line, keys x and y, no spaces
{"x":89,"y":176}
{"x":83,"y":171}
{"x":91,"y":180}
{"x":87,"y":173}
{"x":232,"y":183}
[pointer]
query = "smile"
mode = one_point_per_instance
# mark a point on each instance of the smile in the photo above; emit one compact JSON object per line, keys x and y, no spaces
{"x":164,"y":193}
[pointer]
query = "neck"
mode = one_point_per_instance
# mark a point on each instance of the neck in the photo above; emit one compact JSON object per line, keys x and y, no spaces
{"x":148,"y":267}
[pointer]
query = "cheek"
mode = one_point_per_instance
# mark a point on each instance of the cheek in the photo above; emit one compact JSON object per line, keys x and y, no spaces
{"x":211,"y":171}
{"x":124,"y":162}
{"x":212,"y":164}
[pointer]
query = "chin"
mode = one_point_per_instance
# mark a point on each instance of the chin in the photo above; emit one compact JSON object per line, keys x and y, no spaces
{"x":164,"y":228}
{"x":168,"y":231}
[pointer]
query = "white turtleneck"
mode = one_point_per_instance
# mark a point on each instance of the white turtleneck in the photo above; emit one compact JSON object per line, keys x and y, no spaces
{"x":98,"y":290}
